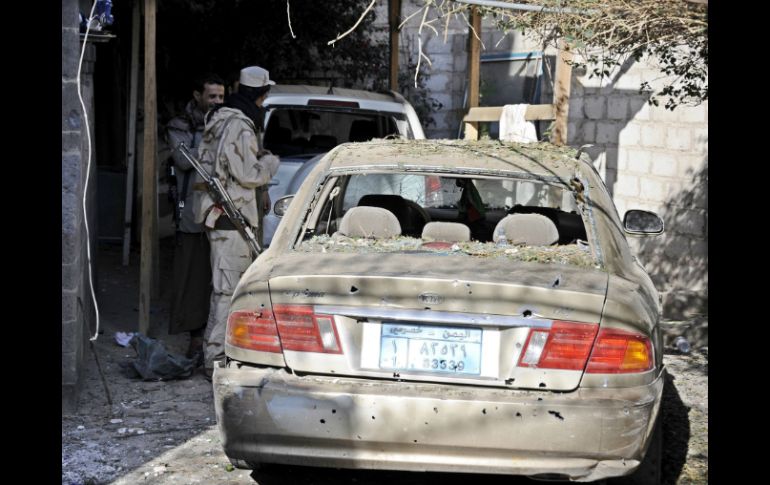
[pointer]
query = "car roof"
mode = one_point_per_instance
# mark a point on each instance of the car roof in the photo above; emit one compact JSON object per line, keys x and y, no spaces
{"x":482,"y":156}
{"x":323,"y":92}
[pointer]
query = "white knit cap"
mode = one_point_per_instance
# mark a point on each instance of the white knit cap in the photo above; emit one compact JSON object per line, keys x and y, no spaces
{"x":255,"y":76}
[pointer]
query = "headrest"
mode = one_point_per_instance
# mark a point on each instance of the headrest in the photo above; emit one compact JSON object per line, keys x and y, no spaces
{"x":446,"y":231}
{"x":369,"y":222}
{"x":529,"y":229}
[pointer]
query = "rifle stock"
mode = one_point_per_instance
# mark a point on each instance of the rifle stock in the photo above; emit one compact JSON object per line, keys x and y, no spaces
{"x":221,"y":198}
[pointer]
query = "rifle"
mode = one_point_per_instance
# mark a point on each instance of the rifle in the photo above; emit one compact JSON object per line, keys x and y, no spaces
{"x":222,"y":199}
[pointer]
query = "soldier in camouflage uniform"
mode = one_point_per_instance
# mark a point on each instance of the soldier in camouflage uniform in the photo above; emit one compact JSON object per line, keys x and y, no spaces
{"x":192,"y":269}
{"x":231,"y":151}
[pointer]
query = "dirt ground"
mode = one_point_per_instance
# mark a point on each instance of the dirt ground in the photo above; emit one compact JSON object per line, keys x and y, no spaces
{"x":128,"y":431}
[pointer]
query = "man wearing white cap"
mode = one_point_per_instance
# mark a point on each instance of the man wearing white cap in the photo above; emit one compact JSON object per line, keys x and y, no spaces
{"x":231,"y":151}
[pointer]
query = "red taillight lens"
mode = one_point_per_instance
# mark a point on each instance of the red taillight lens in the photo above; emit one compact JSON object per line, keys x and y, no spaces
{"x":303,"y":330}
{"x":253,"y":330}
{"x":618,"y":351}
{"x":566,"y":345}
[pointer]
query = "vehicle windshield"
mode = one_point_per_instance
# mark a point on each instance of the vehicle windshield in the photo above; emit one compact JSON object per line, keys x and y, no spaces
{"x":480,"y":211}
{"x":299,"y":131}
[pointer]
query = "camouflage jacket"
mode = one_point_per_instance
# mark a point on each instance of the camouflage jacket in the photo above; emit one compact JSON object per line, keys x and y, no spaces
{"x":229,"y":151}
{"x":187,"y":128}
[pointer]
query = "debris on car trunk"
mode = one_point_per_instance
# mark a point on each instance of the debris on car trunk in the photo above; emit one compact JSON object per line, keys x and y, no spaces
{"x":572,"y":254}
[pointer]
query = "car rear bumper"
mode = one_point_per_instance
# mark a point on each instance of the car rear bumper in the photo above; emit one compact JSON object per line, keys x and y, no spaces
{"x":269,"y":415}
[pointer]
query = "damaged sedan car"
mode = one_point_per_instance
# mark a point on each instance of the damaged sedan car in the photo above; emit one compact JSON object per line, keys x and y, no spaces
{"x":455,"y":306}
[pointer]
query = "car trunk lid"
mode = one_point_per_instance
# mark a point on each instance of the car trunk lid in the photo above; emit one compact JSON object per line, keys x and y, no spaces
{"x":435,"y":318}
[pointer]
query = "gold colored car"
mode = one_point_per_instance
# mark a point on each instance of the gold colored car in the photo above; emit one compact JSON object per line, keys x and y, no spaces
{"x":448,"y":306}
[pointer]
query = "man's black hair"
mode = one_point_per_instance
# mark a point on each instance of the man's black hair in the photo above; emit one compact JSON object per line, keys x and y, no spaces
{"x":207,"y":78}
{"x":252,"y":93}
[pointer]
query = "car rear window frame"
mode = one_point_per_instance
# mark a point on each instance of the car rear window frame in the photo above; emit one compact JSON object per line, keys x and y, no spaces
{"x":585,"y":208}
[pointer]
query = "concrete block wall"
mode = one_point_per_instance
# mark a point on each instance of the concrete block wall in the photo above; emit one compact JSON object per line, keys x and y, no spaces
{"x":77,"y":309}
{"x":652,"y":159}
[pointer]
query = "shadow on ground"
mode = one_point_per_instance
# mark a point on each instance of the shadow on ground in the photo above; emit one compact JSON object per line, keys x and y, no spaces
{"x":676,"y":432}
{"x":283,"y":474}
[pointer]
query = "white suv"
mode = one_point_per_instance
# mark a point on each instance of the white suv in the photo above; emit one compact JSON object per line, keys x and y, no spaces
{"x":304,"y":122}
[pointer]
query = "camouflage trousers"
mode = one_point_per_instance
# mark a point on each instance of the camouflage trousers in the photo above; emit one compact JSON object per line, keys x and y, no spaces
{"x":230,"y":257}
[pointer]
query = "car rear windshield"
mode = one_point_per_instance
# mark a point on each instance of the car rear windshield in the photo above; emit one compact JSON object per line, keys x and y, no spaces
{"x":298,"y":131}
{"x":549,"y":226}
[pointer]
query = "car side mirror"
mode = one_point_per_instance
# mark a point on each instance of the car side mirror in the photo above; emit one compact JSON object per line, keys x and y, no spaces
{"x":282,"y":205}
{"x":642,"y":222}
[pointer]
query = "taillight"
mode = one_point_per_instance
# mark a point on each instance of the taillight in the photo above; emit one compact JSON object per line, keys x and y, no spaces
{"x":617,"y":351}
{"x":566,"y":345}
{"x":253,"y":330}
{"x":303,"y":330}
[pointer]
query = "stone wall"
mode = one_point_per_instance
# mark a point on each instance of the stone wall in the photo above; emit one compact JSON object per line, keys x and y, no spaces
{"x":77,"y":309}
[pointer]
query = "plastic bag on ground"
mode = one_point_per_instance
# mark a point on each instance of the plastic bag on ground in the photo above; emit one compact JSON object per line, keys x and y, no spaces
{"x":124,"y":338}
{"x":155,"y":363}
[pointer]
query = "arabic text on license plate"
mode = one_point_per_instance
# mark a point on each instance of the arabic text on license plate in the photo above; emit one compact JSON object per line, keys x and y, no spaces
{"x":430,"y":348}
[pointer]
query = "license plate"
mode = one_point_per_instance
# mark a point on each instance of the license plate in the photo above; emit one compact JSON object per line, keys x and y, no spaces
{"x":428,"y":348}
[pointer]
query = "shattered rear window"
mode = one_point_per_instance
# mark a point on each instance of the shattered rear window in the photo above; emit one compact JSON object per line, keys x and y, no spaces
{"x":477,"y":202}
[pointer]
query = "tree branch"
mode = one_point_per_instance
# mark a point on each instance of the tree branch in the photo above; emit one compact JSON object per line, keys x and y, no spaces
{"x":331,"y":42}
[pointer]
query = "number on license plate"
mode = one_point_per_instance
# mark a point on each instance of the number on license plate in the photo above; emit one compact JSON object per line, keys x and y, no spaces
{"x":430,"y":348}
